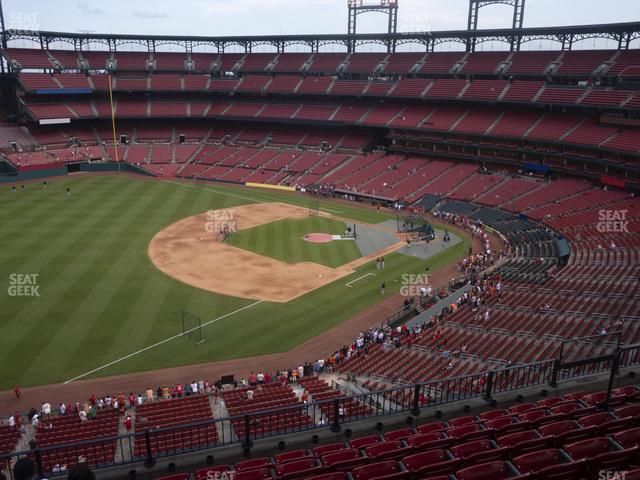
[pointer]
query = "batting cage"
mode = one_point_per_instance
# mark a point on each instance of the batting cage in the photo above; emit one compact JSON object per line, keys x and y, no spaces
{"x":416,"y":225}
{"x":191,"y":326}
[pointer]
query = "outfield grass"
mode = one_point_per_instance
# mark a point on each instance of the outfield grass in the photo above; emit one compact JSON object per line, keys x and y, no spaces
{"x":100,"y":297}
{"x":283,"y":240}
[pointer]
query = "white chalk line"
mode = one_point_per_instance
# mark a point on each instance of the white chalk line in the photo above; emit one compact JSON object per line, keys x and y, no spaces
{"x":360,"y":278}
{"x":162,"y":342}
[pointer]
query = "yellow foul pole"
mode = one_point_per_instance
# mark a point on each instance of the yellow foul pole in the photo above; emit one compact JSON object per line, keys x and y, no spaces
{"x":113,"y":120}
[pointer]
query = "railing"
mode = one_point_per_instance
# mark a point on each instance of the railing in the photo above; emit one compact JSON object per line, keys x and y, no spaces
{"x":148,"y":446}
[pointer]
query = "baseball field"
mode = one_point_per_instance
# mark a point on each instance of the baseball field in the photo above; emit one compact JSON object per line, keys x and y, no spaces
{"x":84,"y":295}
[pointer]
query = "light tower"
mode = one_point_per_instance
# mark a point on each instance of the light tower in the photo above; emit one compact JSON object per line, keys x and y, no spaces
{"x":358,"y":7}
{"x":476,"y":5}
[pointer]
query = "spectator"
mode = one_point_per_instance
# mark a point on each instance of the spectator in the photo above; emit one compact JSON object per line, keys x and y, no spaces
{"x":24,"y":469}
{"x":81,"y":471}
{"x":128,"y":423}
{"x":149,"y":393}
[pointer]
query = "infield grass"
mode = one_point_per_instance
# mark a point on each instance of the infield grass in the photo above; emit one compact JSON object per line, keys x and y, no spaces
{"x":284,"y":240}
{"x":101,"y":298}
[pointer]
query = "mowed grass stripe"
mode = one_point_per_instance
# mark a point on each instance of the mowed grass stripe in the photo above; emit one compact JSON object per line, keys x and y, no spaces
{"x":78,"y":317}
{"x":118,"y":292}
{"x":47,"y":258}
{"x":37,"y":204}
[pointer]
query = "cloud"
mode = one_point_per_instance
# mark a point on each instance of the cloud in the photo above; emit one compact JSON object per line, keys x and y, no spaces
{"x":148,"y":14}
{"x":87,"y":9}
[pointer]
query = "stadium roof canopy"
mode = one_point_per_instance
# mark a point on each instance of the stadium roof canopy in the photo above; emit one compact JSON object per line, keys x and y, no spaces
{"x":566,"y":37}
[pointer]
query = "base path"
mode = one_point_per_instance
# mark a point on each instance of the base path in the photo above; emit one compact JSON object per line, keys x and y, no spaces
{"x":191,"y":251}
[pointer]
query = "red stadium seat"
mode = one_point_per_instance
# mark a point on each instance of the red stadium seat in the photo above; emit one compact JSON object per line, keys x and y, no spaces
{"x":432,"y":462}
{"x":291,"y":456}
{"x":257,"y":474}
{"x":629,"y":412}
{"x":460,"y":421}
{"x":550,"y":463}
{"x":601,"y":454}
{"x":528,"y":441}
{"x":432,"y":427}
{"x":566,"y":431}
{"x":497,"y":470}
{"x":468,"y":432}
{"x":253,"y":464}
{"x":365,"y":441}
{"x":427,"y":441}
{"x":604,"y":422}
{"x":329,"y":448}
{"x":387,"y":451}
{"x":503,"y":425}
{"x":211,"y":472}
{"x":399,"y":434}
{"x":493,"y":414}
{"x":306,"y":467}
{"x":523,"y":407}
{"x":343,"y":459}
{"x":329,"y":476}
{"x":479,"y":451}
{"x":389,"y":470}
{"x":628,"y":438}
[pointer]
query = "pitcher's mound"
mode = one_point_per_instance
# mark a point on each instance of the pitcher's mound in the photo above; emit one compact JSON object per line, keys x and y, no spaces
{"x":318,"y":237}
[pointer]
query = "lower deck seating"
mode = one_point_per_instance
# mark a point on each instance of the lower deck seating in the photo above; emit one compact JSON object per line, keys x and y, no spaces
{"x":554,"y":438}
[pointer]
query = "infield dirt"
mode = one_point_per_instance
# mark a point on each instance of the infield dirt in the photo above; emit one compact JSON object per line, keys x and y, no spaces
{"x":192,"y":252}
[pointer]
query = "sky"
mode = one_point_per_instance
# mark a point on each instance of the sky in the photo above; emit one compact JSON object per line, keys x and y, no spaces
{"x":265,"y":17}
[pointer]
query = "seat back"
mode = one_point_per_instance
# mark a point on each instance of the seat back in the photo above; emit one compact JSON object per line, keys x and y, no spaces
{"x":587,"y":448}
{"x":373,"y":470}
{"x":628,"y":438}
{"x":365,"y":441}
{"x":211,"y":472}
{"x":257,"y":474}
{"x":253,"y":464}
{"x":497,"y":470}
{"x":417,"y":461}
{"x":532,"y":462}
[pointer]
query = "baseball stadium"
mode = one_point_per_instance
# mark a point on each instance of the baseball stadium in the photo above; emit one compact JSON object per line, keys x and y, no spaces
{"x":404,"y":255}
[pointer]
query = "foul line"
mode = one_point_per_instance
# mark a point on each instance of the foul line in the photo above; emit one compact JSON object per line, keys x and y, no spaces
{"x":359,"y":278}
{"x":162,"y":342}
